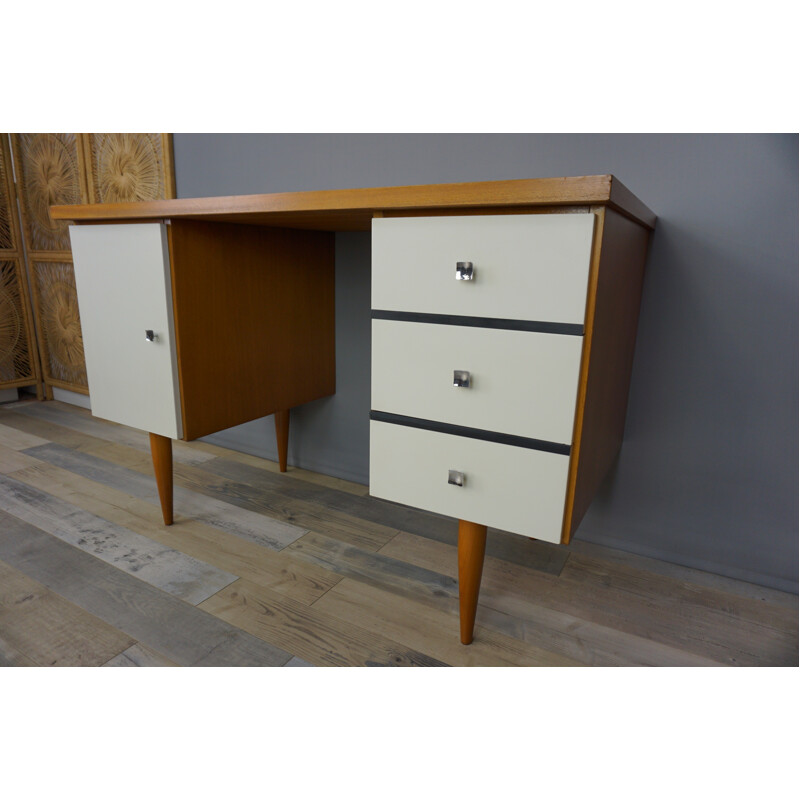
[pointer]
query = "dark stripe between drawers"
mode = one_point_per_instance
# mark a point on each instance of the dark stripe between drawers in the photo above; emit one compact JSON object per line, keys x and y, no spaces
{"x":565,"y":328}
{"x":471,"y":433}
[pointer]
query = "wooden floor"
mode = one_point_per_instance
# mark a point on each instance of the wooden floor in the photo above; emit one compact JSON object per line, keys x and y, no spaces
{"x":298,"y":569}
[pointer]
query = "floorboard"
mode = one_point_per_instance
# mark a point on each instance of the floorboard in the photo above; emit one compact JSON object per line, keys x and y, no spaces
{"x":167,"y":624}
{"x":263,"y":568}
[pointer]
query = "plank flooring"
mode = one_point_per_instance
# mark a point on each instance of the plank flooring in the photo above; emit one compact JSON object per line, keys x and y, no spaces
{"x":298,"y":569}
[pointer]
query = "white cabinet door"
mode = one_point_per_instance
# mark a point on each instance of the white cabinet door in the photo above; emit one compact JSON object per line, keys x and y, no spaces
{"x":122,"y":274}
{"x":526,"y":266}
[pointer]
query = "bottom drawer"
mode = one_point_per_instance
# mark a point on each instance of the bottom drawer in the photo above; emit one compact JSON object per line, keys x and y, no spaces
{"x":512,"y":488}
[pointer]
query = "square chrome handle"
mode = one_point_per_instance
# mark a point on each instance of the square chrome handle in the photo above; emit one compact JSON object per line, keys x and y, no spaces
{"x":149,"y":336}
{"x":461,"y":378}
{"x":456,"y":478}
{"x":464,"y":271}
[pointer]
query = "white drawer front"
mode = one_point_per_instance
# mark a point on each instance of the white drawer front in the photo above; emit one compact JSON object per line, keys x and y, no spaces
{"x":123,"y":279}
{"x":521,"y":383}
{"x":511,"y":488}
{"x":527,"y":267}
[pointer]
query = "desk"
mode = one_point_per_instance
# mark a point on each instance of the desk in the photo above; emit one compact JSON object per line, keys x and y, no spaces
{"x":200,"y":314}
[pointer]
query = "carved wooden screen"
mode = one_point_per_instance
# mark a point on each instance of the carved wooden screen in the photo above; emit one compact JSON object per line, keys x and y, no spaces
{"x":18,"y":363}
{"x":128,"y":167}
{"x":63,"y":168}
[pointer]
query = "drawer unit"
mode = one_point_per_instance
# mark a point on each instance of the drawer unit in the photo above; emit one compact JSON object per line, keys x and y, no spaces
{"x":525,"y":266}
{"x":518,"y":382}
{"x":514,"y":331}
{"x":501,"y":356}
{"x":507,"y":487}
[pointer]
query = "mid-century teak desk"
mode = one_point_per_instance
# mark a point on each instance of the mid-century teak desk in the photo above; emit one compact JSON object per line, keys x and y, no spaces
{"x":504,"y":318}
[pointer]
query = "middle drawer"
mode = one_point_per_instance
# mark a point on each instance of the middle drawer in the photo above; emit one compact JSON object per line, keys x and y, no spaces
{"x":520,"y":382}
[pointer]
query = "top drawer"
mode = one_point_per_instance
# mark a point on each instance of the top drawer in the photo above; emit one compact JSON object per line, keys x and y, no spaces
{"x":531,"y":267}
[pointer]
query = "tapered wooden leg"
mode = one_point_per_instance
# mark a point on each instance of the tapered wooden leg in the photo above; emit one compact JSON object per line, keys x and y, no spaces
{"x":161,"y":451}
{"x":471,"y":550}
{"x":282,"y":435}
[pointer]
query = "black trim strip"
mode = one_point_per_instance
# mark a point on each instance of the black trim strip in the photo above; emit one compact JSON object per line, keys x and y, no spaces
{"x":471,"y":433}
{"x":566,"y":328}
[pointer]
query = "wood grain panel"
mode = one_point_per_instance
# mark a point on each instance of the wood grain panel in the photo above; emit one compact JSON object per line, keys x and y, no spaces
{"x":254,"y":318}
{"x":140,"y":656}
{"x":612,"y":316}
{"x":352,"y":209}
{"x":167,"y":569}
{"x":75,"y":419}
{"x":604,"y":608}
{"x":656,"y":609}
{"x":256,"y":528}
{"x":431,"y":629}
{"x":49,"y":630}
{"x":377,"y":569}
{"x":301,"y":581}
{"x":172,"y":627}
{"x":315,"y":636}
{"x":11,"y":657}
{"x":18,"y":440}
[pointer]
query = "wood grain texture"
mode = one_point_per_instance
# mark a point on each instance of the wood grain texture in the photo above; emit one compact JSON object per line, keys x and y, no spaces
{"x":430,"y":628}
{"x":11,"y":657}
{"x":254,"y":321}
{"x":13,"y":460}
{"x":373,"y":591}
{"x":167,"y":569}
{"x":641,"y":604}
{"x":240,"y":522}
{"x":18,"y":440}
{"x":228,"y":552}
{"x":612,"y":316}
{"x":377,"y":569}
{"x":172,"y":627}
{"x":47,"y":630}
{"x":139,"y":656}
{"x":81,"y":420}
{"x":315,"y":636}
{"x":316,"y":478}
{"x":353,"y":209}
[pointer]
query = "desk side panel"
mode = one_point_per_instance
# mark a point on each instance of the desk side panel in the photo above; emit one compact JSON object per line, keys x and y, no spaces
{"x":254,"y":317}
{"x":612,"y":317}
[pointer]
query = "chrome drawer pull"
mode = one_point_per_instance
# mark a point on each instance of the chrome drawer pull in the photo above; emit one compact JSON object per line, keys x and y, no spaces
{"x":461,"y":379}
{"x":464,"y":271}
{"x":456,"y":478}
{"x":150,"y":336}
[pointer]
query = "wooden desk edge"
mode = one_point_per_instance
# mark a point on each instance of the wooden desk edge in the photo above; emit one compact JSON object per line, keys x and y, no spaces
{"x":586,"y":190}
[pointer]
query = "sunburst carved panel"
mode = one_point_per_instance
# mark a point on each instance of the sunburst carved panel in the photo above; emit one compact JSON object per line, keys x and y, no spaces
{"x":6,"y":209}
{"x":59,"y":322}
{"x":16,"y":359}
{"x":48,"y":174}
{"x":129,"y":167}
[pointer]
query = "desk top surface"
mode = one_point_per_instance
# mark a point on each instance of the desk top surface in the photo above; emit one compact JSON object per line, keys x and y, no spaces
{"x":353,"y":209}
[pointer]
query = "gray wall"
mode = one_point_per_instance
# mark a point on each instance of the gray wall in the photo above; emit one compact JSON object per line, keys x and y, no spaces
{"x":708,"y":472}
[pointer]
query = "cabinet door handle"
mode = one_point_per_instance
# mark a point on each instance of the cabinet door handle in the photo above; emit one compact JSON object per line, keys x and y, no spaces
{"x":461,"y":379}
{"x":465,"y":271}
{"x":149,"y":336}
{"x":456,"y":478}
